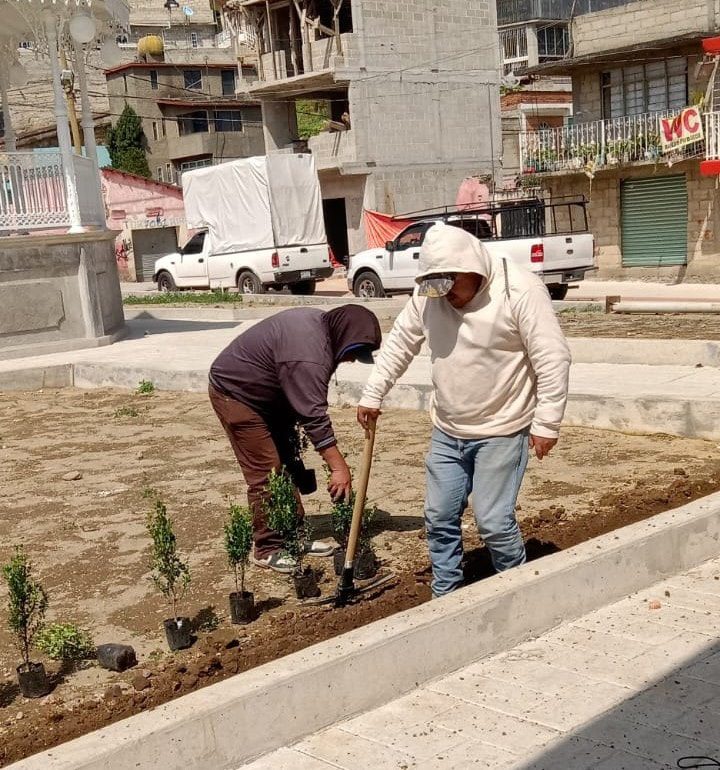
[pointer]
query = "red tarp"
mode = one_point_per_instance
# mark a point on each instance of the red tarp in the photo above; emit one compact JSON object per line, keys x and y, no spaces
{"x":380,"y":228}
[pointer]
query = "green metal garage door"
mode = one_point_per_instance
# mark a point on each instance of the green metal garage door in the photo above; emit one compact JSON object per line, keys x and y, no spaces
{"x":654,"y":221}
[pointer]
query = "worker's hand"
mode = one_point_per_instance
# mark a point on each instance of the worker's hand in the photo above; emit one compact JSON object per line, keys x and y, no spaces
{"x":365,"y":416}
{"x":542,"y":445}
{"x":340,"y":483}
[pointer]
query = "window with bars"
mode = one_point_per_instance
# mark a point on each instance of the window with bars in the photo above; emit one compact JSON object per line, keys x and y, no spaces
{"x":194,"y":42}
{"x":193,"y":79}
{"x":553,"y":42}
{"x":154,"y":80}
{"x":193,"y":123}
{"x":228,"y":120}
{"x":514,"y":48}
{"x":651,"y":87}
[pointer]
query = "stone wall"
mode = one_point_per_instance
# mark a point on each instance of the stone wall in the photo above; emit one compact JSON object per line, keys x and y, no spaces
{"x":645,"y":21}
{"x":57,"y":293}
{"x":605,"y":222}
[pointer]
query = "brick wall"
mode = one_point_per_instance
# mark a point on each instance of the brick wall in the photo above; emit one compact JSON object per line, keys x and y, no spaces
{"x":644,"y":21}
{"x":605,"y":222}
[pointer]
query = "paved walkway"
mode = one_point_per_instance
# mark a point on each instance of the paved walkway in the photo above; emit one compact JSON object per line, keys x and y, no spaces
{"x":588,"y":290}
{"x":624,"y":688}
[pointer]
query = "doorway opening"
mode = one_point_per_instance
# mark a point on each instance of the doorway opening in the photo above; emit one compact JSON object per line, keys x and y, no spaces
{"x":335,"y":215}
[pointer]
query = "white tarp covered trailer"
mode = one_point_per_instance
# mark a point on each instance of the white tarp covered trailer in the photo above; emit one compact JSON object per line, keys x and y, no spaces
{"x":256,"y":203}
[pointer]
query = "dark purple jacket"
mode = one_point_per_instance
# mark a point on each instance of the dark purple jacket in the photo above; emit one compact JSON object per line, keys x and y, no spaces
{"x":281,"y":367}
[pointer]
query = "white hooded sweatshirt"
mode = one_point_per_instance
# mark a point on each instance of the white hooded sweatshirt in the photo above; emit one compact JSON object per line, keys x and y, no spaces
{"x":499,"y":365}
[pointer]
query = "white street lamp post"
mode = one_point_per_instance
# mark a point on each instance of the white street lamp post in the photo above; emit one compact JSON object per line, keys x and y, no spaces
{"x":63,"y":129}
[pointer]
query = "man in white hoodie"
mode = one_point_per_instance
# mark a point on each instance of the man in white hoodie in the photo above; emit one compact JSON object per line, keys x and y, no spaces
{"x":500,"y":367}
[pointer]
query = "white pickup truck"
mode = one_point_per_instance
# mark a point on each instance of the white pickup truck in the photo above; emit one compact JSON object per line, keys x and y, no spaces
{"x":549,"y":238}
{"x":260,"y":225}
{"x":194,"y":266}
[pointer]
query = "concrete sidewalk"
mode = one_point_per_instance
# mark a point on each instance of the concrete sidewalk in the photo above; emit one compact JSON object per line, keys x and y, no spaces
{"x":624,"y":688}
{"x":176,"y":355}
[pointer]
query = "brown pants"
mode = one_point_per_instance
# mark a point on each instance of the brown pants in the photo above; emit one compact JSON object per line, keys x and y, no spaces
{"x":259,"y":452}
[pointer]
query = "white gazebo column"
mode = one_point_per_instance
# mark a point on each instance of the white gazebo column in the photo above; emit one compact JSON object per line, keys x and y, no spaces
{"x":63,"y":129}
{"x":10,"y":144}
{"x":87,"y":122}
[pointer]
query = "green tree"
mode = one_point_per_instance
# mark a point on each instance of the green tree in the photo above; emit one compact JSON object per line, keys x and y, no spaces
{"x":125,"y":144}
{"x":27,"y":602}
{"x":312,"y":117}
{"x":238,"y":543}
{"x":170,"y":573}
{"x":284,"y":516}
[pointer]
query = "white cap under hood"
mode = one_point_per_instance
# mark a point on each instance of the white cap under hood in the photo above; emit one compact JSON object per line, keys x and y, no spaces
{"x":449,"y":249}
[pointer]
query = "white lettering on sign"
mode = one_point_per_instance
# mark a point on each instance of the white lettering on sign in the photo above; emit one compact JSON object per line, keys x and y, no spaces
{"x":680,"y":130}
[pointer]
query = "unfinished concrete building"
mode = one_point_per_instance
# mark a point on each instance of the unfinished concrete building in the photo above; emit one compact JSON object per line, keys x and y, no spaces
{"x":409,"y":89}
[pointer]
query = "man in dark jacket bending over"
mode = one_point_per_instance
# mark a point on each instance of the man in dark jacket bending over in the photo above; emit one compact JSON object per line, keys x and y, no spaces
{"x":274,"y":376}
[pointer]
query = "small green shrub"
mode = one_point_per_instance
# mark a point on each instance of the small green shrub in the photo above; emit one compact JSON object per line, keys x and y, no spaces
{"x":281,"y":507}
{"x":170,"y":573}
{"x":239,"y":542}
{"x":341,"y":520}
{"x":27,"y":602}
{"x":149,"y":493}
{"x":65,"y":641}
{"x":145,"y":387}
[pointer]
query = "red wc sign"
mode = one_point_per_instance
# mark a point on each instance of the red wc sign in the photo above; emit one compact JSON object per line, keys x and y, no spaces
{"x":680,"y":130}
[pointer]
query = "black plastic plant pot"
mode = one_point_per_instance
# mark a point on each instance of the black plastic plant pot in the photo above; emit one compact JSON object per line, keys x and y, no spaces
{"x":366,"y":565}
{"x":33,"y":680}
{"x":306,"y":586}
{"x":242,"y":607}
{"x":179,"y":633}
{"x":306,"y":482}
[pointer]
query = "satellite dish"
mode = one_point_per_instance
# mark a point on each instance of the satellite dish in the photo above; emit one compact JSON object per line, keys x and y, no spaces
{"x":187,"y":10}
{"x":511,"y":80}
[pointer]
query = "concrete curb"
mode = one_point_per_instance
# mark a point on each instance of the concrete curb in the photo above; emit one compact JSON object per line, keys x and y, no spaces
{"x":227,"y":724}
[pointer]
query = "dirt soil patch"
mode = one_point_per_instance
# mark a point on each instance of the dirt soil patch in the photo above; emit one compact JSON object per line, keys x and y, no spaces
{"x":689,"y":326}
{"x":87,"y":540}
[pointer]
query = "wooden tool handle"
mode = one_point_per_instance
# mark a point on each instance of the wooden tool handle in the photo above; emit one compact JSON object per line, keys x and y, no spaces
{"x":361,"y":494}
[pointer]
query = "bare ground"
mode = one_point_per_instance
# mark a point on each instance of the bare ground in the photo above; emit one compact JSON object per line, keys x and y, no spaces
{"x":88,"y":542}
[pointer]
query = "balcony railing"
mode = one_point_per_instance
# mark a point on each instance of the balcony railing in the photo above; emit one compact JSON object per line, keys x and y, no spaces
{"x":601,"y":144}
{"x":712,"y":136}
{"x":33,"y":193}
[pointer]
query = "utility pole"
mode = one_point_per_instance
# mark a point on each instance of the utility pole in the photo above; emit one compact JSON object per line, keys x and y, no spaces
{"x":68,"y":87}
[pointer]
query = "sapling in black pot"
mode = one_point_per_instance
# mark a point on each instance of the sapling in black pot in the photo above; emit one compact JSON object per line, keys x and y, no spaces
{"x":284,"y":517}
{"x":341,"y":520}
{"x":27,"y":604}
{"x":170,"y":574}
{"x":238,"y":545}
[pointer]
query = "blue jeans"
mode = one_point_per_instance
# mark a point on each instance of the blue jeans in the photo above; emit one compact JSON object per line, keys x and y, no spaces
{"x":492,"y":469}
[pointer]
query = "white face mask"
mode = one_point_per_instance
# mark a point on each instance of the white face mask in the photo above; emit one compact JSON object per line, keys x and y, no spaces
{"x":436,"y":287}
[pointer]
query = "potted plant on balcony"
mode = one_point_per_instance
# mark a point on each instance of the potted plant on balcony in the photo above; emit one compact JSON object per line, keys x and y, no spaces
{"x":27,"y":604}
{"x":341,"y":518}
{"x":284,"y":516}
{"x":238,"y":545}
{"x":170,"y":574}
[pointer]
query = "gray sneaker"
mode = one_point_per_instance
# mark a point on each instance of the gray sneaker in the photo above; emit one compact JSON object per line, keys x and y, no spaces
{"x":318,"y":548}
{"x":279,"y":561}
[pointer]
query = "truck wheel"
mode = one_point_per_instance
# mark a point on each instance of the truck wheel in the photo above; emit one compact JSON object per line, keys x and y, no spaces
{"x":558,"y":290}
{"x":303,"y":287}
{"x":368,"y":285}
{"x":249,"y":283}
{"x":165,"y":282}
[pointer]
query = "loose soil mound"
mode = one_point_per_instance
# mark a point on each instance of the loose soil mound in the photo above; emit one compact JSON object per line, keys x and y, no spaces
{"x":87,"y":540}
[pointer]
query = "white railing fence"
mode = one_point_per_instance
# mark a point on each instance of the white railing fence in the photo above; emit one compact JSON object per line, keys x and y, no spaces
{"x":603,"y":143}
{"x":712,"y":136}
{"x":32,"y":191}
{"x":33,"y":195}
